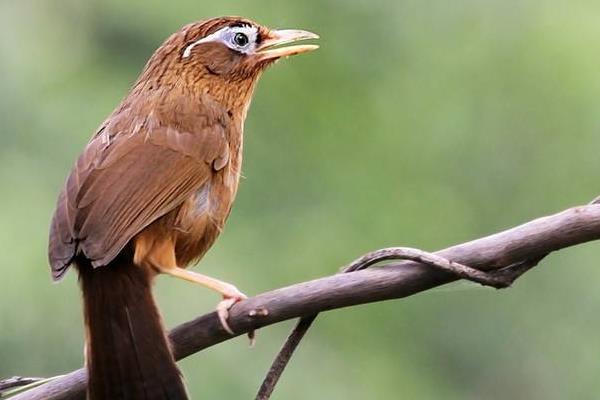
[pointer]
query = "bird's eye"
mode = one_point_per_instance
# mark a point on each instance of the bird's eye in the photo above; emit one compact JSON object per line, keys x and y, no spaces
{"x":240,"y":39}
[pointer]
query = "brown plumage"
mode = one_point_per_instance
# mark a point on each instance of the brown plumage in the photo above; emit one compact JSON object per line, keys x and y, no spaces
{"x":151,"y":192}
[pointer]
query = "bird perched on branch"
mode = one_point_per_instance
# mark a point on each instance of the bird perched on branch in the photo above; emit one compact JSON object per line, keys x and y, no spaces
{"x":151,"y":192}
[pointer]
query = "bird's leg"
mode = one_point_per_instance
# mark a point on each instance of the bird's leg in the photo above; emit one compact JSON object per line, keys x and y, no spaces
{"x":230,"y":293}
{"x":159,"y":254}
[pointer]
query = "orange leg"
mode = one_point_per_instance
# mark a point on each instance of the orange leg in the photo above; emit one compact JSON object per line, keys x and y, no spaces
{"x":230,"y":293}
{"x":160,"y":256}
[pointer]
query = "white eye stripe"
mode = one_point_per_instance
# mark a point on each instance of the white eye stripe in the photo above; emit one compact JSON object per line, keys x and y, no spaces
{"x":226,"y":36}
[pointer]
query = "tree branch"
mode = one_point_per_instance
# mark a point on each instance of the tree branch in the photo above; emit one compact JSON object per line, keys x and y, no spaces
{"x":401,"y":279}
{"x":16,"y":381}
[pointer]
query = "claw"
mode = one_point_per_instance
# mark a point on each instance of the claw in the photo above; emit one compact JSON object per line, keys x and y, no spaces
{"x":229,"y":299}
{"x":223,"y":313}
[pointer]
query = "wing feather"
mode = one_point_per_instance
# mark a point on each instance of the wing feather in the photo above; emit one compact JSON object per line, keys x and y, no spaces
{"x":125,"y":180}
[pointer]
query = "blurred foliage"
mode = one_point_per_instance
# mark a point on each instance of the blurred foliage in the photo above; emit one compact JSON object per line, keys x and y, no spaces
{"x":417,"y":123}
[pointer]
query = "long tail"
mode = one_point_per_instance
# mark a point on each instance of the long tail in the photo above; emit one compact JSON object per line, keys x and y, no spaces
{"x":127,"y":352}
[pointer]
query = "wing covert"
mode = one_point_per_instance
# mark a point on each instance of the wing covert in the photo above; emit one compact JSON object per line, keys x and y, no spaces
{"x":124,"y":181}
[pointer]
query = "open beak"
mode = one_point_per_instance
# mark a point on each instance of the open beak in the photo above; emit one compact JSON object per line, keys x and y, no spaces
{"x":268,"y":50}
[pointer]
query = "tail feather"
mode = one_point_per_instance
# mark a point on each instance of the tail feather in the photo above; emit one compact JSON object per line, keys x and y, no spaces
{"x":127,"y":353}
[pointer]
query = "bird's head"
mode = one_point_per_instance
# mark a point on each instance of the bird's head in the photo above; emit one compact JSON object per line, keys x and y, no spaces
{"x":222,"y":55}
{"x":238,"y":48}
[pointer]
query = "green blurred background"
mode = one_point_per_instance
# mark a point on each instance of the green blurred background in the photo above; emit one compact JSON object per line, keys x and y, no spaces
{"x":417,"y":123}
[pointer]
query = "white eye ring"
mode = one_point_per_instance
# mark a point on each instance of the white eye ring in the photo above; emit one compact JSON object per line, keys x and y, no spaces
{"x":230,"y":36}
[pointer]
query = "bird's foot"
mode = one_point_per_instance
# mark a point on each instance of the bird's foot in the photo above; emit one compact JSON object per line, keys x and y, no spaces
{"x":231,"y":295}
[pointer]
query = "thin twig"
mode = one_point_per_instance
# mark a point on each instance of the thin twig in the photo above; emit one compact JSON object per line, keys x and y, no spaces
{"x":17,"y":384}
{"x":17,"y":381}
{"x":284,"y":356}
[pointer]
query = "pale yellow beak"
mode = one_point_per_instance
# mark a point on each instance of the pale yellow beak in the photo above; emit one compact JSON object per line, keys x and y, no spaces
{"x":267,"y":51}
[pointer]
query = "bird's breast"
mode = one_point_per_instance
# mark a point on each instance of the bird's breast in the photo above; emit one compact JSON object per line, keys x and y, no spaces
{"x":202,"y":217}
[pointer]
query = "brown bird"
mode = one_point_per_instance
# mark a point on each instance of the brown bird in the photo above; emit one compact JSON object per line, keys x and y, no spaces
{"x":151,"y":192}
